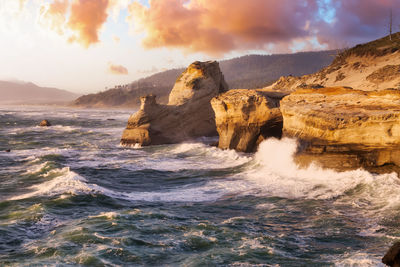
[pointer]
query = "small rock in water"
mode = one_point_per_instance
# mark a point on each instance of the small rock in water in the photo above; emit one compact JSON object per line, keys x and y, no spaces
{"x":44,"y":123}
{"x":392,"y":257}
{"x":7,"y":150}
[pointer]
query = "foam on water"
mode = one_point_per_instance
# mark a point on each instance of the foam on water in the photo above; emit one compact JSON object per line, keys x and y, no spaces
{"x":36,"y":168}
{"x":54,"y":128}
{"x":358,"y":259}
{"x":277,"y":174}
{"x":34,"y":154}
{"x":68,"y":182}
{"x":195,"y":156}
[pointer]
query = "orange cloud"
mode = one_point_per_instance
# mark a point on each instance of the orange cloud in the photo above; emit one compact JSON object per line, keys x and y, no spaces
{"x":80,"y":20}
{"x":117,"y":69}
{"x":55,"y":15}
{"x":216,"y":27}
{"x":86,"y":19}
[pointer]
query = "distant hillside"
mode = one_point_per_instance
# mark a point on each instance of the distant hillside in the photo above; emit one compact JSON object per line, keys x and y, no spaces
{"x":371,"y":66}
{"x":253,"y":71}
{"x":29,"y":93}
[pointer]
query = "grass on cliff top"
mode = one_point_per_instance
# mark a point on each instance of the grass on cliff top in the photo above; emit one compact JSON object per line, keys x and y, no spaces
{"x":376,"y":48}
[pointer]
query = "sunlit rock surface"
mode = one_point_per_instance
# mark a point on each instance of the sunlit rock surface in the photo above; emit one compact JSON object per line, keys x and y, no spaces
{"x":244,"y":118}
{"x":188,"y":113}
{"x":344,"y":128}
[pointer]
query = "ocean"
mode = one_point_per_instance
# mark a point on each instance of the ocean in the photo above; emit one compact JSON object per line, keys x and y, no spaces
{"x":71,"y":195}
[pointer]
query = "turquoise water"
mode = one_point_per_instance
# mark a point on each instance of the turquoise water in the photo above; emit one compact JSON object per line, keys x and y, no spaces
{"x":70,"y":195}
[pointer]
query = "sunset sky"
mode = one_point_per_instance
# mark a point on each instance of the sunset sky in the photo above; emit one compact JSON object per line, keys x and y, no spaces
{"x":87,"y":45}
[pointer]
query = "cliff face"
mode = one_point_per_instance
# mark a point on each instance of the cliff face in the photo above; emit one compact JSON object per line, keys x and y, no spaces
{"x":370,"y":66}
{"x":188,"y":113}
{"x":344,"y":128}
{"x":244,"y":118}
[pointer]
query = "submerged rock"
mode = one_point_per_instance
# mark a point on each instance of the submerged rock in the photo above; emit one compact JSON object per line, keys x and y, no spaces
{"x":44,"y":123}
{"x":343,"y":129}
{"x":244,"y":118}
{"x":188,"y":113}
{"x":392,"y":256}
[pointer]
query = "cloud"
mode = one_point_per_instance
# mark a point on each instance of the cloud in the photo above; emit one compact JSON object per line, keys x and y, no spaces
{"x":54,"y":15}
{"x":117,"y":69}
{"x":216,"y":27}
{"x":86,"y":19}
{"x":359,"y":21}
{"x":80,"y":20}
{"x":219,"y":27}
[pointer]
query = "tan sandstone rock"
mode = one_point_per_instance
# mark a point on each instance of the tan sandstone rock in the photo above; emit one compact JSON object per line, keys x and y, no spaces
{"x":244,"y":118}
{"x":344,"y":128}
{"x":188,"y":113}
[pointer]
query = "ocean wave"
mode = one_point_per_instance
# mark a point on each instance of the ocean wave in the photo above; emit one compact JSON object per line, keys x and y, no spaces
{"x":33,"y":155}
{"x":195,"y":156}
{"x":54,"y":128}
{"x":68,"y":182}
{"x":358,"y":259}
{"x":276,"y":174}
{"x":37,"y":168}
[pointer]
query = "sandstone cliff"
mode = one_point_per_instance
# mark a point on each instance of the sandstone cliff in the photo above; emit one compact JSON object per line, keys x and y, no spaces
{"x":244,"y":118}
{"x":344,"y":128}
{"x":371,"y":66}
{"x":188,"y":113}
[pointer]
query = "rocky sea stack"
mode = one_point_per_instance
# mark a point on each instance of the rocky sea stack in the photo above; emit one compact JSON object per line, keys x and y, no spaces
{"x":245,"y":118}
{"x":188,"y":113}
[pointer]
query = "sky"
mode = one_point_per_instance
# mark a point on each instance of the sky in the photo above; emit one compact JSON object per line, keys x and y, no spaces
{"x":86,"y":46}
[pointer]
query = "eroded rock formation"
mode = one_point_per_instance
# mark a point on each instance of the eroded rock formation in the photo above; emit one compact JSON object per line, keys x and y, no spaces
{"x":244,"y":118}
{"x":343,"y":128}
{"x":188,"y":113}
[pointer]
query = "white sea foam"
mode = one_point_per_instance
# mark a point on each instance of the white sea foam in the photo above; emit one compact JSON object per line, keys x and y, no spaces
{"x":196,"y":156}
{"x":36,"y":168}
{"x":34,"y":154}
{"x":358,"y":259}
{"x":54,"y":128}
{"x":276,"y":174}
{"x":70,"y":183}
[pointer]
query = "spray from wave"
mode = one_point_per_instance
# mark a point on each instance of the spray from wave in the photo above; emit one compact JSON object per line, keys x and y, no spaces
{"x":276,"y":174}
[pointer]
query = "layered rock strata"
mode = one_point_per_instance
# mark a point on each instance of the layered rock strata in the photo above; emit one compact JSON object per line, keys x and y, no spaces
{"x":188,"y":113}
{"x":342,"y":128}
{"x":244,"y":118}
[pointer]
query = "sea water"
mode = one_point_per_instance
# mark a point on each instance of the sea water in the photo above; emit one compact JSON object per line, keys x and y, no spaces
{"x":71,"y":195}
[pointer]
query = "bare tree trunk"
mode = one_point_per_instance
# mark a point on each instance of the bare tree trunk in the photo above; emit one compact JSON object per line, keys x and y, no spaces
{"x":390,"y":24}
